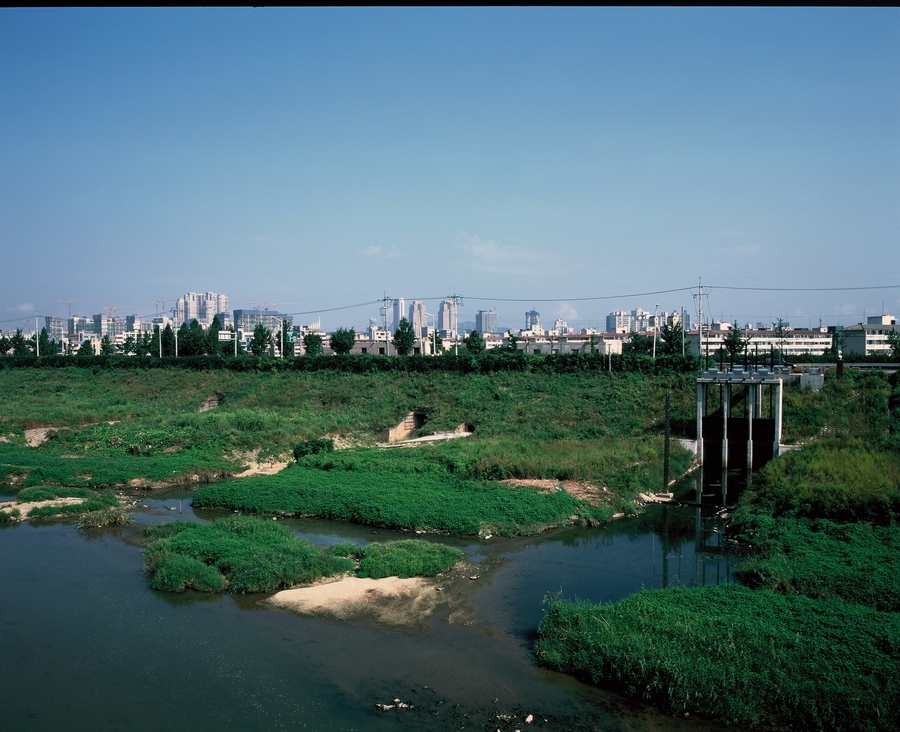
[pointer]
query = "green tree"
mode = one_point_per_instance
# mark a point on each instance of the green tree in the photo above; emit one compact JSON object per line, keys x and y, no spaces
{"x":671,"y":336}
{"x":86,"y":348}
{"x":638,"y":344}
{"x":438,"y":342}
{"x":193,"y":342}
{"x":342,"y":340}
{"x":20,"y":346}
{"x":212,"y":337}
{"x":312,"y":344}
{"x":69,"y":350}
{"x":734,"y":344}
{"x":168,"y":341}
{"x":5,"y":345}
{"x":129,"y":345}
{"x":474,"y":343}
{"x":593,"y":341}
{"x":780,"y":335}
{"x":893,"y":340}
{"x":512,"y":341}
{"x":106,"y":346}
{"x":259,"y":343}
{"x":404,"y":338}
{"x":286,"y":339}
{"x":47,"y":346}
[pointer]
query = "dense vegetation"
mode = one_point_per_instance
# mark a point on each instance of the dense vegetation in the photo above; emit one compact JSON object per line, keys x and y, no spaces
{"x":246,"y":554}
{"x":410,"y":558}
{"x":814,"y":641}
{"x":592,"y":426}
{"x":744,"y":656}
{"x":399,"y":501}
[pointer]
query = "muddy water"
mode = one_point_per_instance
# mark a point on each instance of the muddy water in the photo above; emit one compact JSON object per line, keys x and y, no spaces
{"x":86,"y":645}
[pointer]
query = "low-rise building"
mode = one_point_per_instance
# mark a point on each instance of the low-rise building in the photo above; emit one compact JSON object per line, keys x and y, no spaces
{"x":871,"y":337}
{"x":790,"y":343}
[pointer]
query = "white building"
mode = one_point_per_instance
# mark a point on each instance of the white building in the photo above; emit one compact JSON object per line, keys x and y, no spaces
{"x":871,"y":337}
{"x":202,"y":307}
{"x":790,"y":343}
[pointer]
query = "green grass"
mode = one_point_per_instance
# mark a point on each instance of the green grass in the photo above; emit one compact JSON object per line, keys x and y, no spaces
{"x":742,"y":656}
{"x":828,"y":479}
{"x":397,"y":500}
{"x":247,"y":554}
{"x":853,"y":562}
{"x":49,"y":493}
{"x":96,"y":502}
{"x":9,"y":516}
{"x":411,"y":558}
{"x":240,"y":553}
{"x":33,"y":467}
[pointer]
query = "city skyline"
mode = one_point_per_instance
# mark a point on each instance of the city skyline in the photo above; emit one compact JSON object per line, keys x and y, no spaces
{"x":312,"y":159}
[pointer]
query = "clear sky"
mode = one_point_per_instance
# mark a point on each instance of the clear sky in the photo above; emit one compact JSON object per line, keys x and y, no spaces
{"x":312,"y":159}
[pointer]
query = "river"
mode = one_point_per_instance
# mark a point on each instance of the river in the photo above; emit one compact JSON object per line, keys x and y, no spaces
{"x":85,"y":644}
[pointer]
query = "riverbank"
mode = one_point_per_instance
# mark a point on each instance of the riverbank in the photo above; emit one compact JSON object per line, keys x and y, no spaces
{"x":812,"y":642}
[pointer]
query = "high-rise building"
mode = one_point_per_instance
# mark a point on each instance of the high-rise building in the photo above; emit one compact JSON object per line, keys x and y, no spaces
{"x":112,"y":327}
{"x":417,"y":317}
{"x":532,"y":318}
{"x":55,"y":327}
{"x":486,"y":321}
{"x":619,"y":322}
{"x":247,"y":320}
{"x":202,"y":307}
{"x":399,"y":306}
{"x":447,"y":319}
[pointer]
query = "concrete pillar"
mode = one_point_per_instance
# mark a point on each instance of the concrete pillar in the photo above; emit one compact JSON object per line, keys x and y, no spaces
{"x":751,"y":409}
{"x":701,"y":410}
{"x":726,"y":413}
{"x":777,"y":446}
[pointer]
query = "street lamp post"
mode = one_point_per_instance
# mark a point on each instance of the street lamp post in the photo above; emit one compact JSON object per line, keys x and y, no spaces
{"x":433,"y":332}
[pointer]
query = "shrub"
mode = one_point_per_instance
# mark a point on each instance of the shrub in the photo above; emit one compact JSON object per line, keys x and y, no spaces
{"x":313,"y":447}
{"x":8,"y":516}
{"x":112,"y":516}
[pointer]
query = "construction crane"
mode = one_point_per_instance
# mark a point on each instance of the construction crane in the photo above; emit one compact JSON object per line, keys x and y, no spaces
{"x":70,"y":301}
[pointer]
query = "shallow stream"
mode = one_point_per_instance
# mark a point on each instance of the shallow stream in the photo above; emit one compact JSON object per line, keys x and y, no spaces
{"x":85,"y":644}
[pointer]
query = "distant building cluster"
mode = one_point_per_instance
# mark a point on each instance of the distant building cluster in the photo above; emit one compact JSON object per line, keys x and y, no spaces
{"x":443,"y":327}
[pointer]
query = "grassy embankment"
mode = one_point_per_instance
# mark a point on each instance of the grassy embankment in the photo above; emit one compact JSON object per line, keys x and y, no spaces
{"x":595,"y":427}
{"x":814,"y":641}
{"x":246,"y":554}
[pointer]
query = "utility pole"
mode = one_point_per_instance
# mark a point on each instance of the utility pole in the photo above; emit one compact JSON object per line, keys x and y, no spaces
{"x":384,"y":314}
{"x":457,"y":301}
{"x":655,"y":329}
{"x":682,"y":331}
{"x":700,"y":324}
{"x":37,"y":338}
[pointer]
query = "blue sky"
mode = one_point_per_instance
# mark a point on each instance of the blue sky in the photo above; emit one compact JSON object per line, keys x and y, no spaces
{"x":312,"y":159}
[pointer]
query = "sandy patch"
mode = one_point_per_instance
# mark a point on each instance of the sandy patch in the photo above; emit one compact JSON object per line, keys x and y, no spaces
{"x":24,"y":508}
{"x":396,"y":604}
{"x":37,"y":436}
{"x":590,"y":494}
{"x":267,"y":467}
{"x":392,"y":602}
